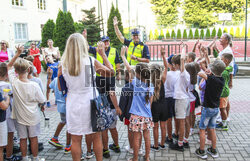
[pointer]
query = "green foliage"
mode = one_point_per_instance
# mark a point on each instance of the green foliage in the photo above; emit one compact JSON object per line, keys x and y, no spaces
{"x":166,"y":11}
{"x":243,"y":32}
{"x":92,"y":24}
{"x":248,"y":33}
{"x":64,"y":28}
{"x":219,"y":32}
{"x":151,"y":36}
{"x":190,"y":35}
{"x":225,"y":30}
{"x":114,"y":41}
{"x":185,"y":34}
{"x":213,"y":32}
{"x":237,"y":34}
{"x":232,"y":31}
{"x":161,"y":35}
{"x":179,"y":34}
{"x":47,"y":32}
{"x":156,"y":35}
{"x":208,"y":36}
{"x":196,"y":34}
{"x":79,"y":27}
{"x":167,"y":34}
{"x":202,"y":34}
{"x":173,"y":35}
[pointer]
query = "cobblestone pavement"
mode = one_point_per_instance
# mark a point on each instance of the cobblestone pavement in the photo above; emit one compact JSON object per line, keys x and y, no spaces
{"x":232,"y":145}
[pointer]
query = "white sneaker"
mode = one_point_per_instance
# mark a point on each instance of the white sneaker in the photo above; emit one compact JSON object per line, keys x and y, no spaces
{"x":141,"y":151}
{"x":130,"y":150}
{"x":191,"y":132}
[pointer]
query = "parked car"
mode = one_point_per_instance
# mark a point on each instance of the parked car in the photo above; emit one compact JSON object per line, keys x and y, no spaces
{"x":27,"y":46}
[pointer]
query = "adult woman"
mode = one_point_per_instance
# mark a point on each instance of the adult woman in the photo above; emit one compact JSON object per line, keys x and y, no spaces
{"x":51,"y":50}
{"x":6,"y":53}
{"x":35,"y":52}
{"x":76,"y":72}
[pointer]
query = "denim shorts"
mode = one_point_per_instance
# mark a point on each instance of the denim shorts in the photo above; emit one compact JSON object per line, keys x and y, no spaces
{"x":208,"y":118}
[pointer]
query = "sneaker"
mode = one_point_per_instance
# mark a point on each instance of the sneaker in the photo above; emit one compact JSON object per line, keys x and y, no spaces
{"x":141,"y":151}
{"x":169,"y":141}
{"x":89,"y":155}
{"x":175,"y":136}
{"x":212,"y":152}
{"x":115,"y":148}
{"x":83,"y":156}
{"x":14,"y":158}
{"x":55,"y":143}
{"x":67,"y":150}
{"x":191,"y":132}
{"x":162,"y":147}
{"x":175,"y":146}
{"x":48,"y":104}
{"x":128,"y":149}
{"x":106,"y":153}
{"x":154,"y":148}
{"x":221,"y":127}
{"x":201,"y":153}
{"x":186,"y":145}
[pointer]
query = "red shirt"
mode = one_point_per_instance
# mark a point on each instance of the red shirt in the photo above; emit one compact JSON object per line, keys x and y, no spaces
{"x":34,"y":51}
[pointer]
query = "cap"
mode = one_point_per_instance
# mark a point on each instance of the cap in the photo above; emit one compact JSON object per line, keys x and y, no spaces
{"x":170,"y":58}
{"x":105,"y":38}
{"x":135,"y":31}
{"x":217,"y":67}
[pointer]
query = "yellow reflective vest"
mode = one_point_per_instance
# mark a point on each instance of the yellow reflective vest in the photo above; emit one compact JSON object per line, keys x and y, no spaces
{"x":136,"y":51}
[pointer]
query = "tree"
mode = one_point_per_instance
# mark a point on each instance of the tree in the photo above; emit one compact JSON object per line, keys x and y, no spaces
{"x":248,"y":33}
{"x":64,"y":28}
{"x":232,"y":31}
{"x":185,"y":34}
{"x":243,"y":32}
{"x":47,"y":32}
{"x":79,"y":27}
{"x":225,"y":30}
{"x":219,"y":33}
{"x":92,"y":24}
{"x":156,"y":35}
{"x":167,"y":34}
{"x":208,"y":34}
{"x":161,"y":35}
{"x":237,"y":34}
{"x":151,"y":36}
{"x":190,"y":35}
{"x":166,"y":11}
{"x":196,"y":34}
{"x":173,"y":36}
{"x":213,"y":32}
{"x":202,"y":34}
{"x":179,"y":34}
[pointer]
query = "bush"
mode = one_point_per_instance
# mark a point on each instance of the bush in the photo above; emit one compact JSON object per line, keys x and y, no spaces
{"x":167,"y":34}
{"x":161,"y":35}
{"x":196,"y":34}
{"x":179,"y":34}
{"x":151,"y":36}
{"x":237,"y":34}
{"x":232,"y":31}
{"x":185,"y":34}
{"x":190,"y":35}
{"x":225,"y":30}
{"x":243,"y":32}
{"x":219,"y":33}
{"x":208,"y":36}
{"x":173,"y":35}
{"x":156,"y":35}
{"x":47,"y":32}
{"x":202,"y":34}
{"x":213,"y":33}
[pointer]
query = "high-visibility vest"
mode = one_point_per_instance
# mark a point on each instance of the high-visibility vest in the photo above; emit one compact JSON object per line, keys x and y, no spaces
{"x":111,"y":58}
{"x":136,"y":51}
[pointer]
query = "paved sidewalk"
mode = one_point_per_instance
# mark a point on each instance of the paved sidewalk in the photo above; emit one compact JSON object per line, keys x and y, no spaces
{"x":232,"y":145}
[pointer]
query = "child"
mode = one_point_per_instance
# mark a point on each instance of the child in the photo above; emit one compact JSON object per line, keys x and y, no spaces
{"x":11,"y":123}
{"x":210,"y":110}
{"x":54,"y":66}
{"x":159,"y":105}
{"x":226,"y":58}
{"x":61,"y":108}
{"x":27,"y":95}
{"x":141,"y":117}
{"x":34,"y":79}
{"x":31,"y":59}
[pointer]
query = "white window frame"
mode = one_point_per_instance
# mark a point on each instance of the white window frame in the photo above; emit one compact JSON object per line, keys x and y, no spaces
{"x":20,"y":37}
{"x":19,"y":3}
{"x":43,"y":3}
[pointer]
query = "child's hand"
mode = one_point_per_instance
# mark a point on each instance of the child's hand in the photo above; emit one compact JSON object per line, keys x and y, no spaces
{"x":197,"y":42}
{"x":115,"y":21}
{"x":100,"y":48}
{"x":49,"y":71}
{"x":118,"y":111}
{"x":123,"y":51}
{"x":133,"y":57}
{"x":19,"y":49}
{"x":163,"y":52}
{"x":84,"y":33}
{"x":59,"y":72}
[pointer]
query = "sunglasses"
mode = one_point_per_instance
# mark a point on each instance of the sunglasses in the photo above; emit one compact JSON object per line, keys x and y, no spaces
{"x":3,"y":43}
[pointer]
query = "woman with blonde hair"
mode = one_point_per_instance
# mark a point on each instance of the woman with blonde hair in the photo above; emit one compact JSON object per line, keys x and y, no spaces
{"x":6,"y":54}
{"x":77,"y":74}
{"x":51,"y":50}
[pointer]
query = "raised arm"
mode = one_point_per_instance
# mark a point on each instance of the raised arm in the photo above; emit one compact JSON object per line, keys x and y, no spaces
{"x":194,"y":47}
{"x":205,"y":53}
{"x":202,"y":75}
{"x":183,"y":57}
{"x":117,"y":31}
{"x":128,"y":67}
{"x":164,"y":75}
{"x":212,"y":43}
{"x":18,"y":53}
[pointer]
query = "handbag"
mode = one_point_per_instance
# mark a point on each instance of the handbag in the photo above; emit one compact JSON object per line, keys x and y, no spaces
{"x":64,"y":88}
{"x":102,"y":116}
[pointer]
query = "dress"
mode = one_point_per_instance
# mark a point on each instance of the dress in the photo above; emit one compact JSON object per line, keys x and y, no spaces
{"x":52,"y":53}
{"x":36,"y":62}
{"x":80,"y":92}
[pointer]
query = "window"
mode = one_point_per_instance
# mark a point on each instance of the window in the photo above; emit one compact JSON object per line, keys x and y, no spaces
{"x":41,"y":4}
{"x":21,"y":33}
{"x":17,"y":3}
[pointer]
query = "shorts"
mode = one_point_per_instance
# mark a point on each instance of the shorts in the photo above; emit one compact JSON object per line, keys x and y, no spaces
{"x":115,"y":122}
{"x":159,"y":111}
{"x":3,"y":133}
{"x":126,"y":121}
{"x":182,"y":108}
{"x":170,"y":101}
{"x":140,"y":123}
{"x":63,"y":118}
{"x":192,"y":106}
{"x":28,"y":131}
{"x":11,"y":124}
{"x":223,"y":102}
{"x":208,"y":118}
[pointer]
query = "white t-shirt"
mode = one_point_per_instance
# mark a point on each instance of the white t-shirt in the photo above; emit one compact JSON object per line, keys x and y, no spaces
{"x":170,"y":83}
{"x":228,"y":50}
{"x":190,"y":94}
{"x":5,"y":85}
{"x":181,"y":85}
{"x":52,"y":53}
{"x":26,"y":95}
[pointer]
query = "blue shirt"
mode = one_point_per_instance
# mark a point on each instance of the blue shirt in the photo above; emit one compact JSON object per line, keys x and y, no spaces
{"x":54,"y":67}
{"x":139,"y":105}
{"x":60,"y":99}
{"x":2,"y":112}
{"x":145,"y":52}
